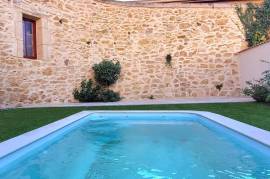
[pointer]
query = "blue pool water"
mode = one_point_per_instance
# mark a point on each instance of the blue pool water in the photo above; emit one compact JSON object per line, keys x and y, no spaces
{"x":140,"y":145}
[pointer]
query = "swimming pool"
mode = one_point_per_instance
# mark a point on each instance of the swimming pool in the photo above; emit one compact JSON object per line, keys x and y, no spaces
{"x":160,"y":145}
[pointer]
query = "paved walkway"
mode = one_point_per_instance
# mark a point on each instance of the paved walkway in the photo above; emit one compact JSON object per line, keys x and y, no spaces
{"x":153,"y":101}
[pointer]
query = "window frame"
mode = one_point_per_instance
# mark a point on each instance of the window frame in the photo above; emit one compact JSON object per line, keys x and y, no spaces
{"x":34,"y":39}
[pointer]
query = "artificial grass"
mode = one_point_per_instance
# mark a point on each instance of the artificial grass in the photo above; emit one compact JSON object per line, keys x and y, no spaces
{"x":17,"y":121}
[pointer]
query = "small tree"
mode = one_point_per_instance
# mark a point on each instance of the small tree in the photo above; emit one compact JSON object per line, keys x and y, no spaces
{"x":107,"y":72}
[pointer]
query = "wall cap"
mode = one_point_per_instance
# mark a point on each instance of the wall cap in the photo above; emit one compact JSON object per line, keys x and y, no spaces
{"x":249,"y":48}
{"x":172,"y":4}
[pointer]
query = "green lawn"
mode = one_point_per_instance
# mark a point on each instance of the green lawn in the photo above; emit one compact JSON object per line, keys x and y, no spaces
{"x":17,"y":121}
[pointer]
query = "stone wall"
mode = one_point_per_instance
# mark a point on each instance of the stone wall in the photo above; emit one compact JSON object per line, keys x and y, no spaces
{"x":202,"y":42}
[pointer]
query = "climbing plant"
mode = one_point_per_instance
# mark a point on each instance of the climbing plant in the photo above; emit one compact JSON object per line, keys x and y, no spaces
{"x":168,"y":60}
{"x":256,"y":22}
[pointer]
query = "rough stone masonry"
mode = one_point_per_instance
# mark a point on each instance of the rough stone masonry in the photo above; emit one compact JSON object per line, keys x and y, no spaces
{"x":74,"y":35}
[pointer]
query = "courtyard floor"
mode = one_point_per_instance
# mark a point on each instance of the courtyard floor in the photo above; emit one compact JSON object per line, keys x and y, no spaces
{"x":193,"y":100}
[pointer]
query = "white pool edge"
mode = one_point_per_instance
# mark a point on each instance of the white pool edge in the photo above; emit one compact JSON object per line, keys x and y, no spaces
{"x":9,"y":146}
{"x":27,"y":138}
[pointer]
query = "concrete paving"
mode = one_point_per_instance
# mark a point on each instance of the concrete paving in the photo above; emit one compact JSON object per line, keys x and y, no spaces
{"x":150,"y":102}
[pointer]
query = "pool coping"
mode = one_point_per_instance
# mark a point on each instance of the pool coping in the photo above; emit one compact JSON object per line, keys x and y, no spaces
{"x":9,"y":146}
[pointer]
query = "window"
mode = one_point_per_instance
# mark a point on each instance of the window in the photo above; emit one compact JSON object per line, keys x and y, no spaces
{"x":29,"y":38}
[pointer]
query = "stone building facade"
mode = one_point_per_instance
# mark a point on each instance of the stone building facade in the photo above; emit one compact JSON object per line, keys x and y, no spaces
{"x":74,"y":35}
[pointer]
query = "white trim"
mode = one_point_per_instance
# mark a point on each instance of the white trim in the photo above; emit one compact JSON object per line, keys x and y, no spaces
{"x":27,"y":138}
{"x":14,"y":144}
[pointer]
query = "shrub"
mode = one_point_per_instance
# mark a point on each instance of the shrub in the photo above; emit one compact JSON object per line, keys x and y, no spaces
{"x":266,"y":78}
{"x":85,"y":92}
{"x":256,"y":22}
{"x":109,"y":95}
{"x":268,"y":99}
{"x":257,"y":91}
{"x":151,"y":97}
{"x":260,"y":89}
{"x":88,"y":92}
{"x":107,"y":72}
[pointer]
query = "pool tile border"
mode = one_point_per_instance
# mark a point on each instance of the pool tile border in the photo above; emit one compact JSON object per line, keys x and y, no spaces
{"x":14,"y":144}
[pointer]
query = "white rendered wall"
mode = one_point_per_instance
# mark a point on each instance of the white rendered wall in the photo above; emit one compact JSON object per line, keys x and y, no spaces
{"x":253,"y":62}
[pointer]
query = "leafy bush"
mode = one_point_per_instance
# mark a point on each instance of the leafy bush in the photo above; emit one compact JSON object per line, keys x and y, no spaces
{"x":107,"y":72}
{"x":88,"y":92}
{"x":85,"y":93}
{"x":266,"y":78}
{"x":108,"y":95}
{"x":256,"y":91}
{"x":268,"y":99}
{"x":151,"y":97}
{"x":256,"y":22}
{"x":260,"y":89}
